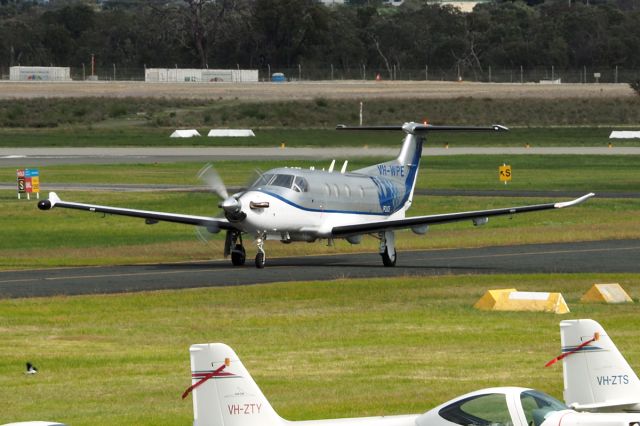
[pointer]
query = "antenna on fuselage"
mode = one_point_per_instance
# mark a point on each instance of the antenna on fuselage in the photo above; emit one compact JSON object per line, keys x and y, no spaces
{"x":333,"y":163}
{"x":344,"y":166}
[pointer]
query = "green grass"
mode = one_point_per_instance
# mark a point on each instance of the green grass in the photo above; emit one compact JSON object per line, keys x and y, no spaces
{"x":123,"y":136}
{"x":534,"y":172}
{"x":317,"y":349}
{"x":60,"y":237}
{"x":318,"y":113}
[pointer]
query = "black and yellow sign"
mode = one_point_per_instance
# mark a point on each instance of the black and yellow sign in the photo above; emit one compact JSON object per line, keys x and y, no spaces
{"x":505,"y":173}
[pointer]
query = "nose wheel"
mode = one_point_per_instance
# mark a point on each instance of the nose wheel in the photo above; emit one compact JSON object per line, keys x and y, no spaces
{"x":260,"y":257}
{"x":260,"y":260}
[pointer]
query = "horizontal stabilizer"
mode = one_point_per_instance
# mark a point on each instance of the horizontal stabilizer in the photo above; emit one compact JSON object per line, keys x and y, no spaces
{"x":419,"y":128}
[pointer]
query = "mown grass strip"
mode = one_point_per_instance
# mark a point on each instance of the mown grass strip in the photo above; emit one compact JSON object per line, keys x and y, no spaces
{"x":318,"y":349}
{"x":316,"y":113}
{"x":127,"y":135}
{"x":61,"y":237}
{"x":533,"y":172}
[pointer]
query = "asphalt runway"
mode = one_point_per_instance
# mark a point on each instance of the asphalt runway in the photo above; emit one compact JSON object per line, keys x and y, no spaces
{"x":615,"y":256}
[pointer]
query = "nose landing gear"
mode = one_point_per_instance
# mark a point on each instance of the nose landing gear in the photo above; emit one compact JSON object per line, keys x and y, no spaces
{"x":260,"y":257}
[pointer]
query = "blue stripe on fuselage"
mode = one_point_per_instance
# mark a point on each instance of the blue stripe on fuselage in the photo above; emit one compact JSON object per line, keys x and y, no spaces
{"x":309,"y":209}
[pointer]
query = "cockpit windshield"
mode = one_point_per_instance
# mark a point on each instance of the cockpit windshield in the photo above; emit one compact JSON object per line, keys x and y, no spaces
{"x":296,"y":183}
{"x":262,"y":180}
{"x":537,"y":406}
{"x":284,"y":181}
{"x":481,"y":410}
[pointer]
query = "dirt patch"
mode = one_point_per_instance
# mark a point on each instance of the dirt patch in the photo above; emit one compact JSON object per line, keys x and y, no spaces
{"x":311,"y":90}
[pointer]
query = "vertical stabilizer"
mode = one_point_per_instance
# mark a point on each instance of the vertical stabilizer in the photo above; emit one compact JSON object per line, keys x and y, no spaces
{"x":398,"y":176}
{"x":596,"y":375}
{"x":224,"y":394}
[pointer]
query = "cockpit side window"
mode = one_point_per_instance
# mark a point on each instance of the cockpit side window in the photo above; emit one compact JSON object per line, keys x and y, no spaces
{"x":537,"y":406}
{"x":282,"y":180}
{"x":300,"y":184}
{"x":482,"y":410}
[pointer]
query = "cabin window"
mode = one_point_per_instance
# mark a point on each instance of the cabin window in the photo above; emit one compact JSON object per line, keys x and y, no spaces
{"x":284,"y":181}
{"x":300,"y":184}
{"x":487,"y":409}
{"x":327,"y":190}
{"x":537,"y":406}
{"x":347,"y":191}
{"x":361,"y":192}
{"x":336,"y":191}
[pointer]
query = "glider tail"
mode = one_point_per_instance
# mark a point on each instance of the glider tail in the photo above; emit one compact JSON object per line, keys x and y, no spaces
{"x":596,"y":375}
{"x":224,"y":393}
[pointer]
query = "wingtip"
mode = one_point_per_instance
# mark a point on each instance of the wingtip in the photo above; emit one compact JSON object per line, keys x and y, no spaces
{"x":49,"y":203}
{"x":575,"y":202}
{"x":500,"y":128}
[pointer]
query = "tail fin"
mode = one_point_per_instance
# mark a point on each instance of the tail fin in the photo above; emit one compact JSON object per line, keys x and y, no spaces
{"x":396,"y":179}
{"x":596,"y":376}
{"x":224,"y":394}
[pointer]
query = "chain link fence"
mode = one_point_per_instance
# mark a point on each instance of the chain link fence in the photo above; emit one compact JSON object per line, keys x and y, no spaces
{"x":487,"y":75}
{"x":329,"y":73}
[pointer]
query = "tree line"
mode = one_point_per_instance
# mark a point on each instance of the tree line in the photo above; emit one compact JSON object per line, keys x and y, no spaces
{"x":290,"y":33}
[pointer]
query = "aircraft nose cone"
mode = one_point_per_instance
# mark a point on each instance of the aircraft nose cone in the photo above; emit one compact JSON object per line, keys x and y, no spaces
{"x":230,"y":205}
{"x":233,"y":209}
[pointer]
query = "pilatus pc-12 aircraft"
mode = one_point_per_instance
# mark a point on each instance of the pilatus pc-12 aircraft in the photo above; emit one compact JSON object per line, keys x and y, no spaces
{"x":292,"y":204}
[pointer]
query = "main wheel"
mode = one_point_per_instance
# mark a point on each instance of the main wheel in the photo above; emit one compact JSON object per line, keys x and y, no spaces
{"x":238,"y":255}
{"x":388,"y":260}
{"x":260,"y":260}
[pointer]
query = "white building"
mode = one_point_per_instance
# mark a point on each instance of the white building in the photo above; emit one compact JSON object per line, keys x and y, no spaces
{"x":194,"y":75}
{"x":39,"y":73}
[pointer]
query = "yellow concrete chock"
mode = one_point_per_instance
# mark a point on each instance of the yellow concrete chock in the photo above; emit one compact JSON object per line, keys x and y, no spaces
{"x":512,"y":300}
{"x":606,"y":293}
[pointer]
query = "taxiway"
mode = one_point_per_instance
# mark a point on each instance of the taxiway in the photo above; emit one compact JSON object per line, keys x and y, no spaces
{"x":614,"y":256}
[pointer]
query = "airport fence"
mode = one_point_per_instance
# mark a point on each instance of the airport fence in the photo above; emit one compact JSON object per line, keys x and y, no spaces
{"x":362,"y":72}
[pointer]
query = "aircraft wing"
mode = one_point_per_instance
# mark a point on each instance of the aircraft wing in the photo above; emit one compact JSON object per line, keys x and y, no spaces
{"x":478,"y":217}
{"x":151,"y":217}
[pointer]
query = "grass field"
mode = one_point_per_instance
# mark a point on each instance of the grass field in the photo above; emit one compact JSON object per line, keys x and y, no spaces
{"x":317,"y":349}
{"x":65,"y":237}
{"x":542,"y":172}
{"x":296,"y":138}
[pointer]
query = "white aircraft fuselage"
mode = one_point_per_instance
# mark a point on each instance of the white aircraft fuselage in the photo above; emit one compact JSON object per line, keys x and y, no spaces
{"x":328,"y":200}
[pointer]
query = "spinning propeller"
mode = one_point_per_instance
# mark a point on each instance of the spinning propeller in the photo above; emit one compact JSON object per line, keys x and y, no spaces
{"x":231,"y":206}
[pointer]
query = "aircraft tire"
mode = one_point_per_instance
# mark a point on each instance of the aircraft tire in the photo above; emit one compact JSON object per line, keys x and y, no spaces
{"x":260,"y":260}
{"x":238,"y":256}
{"x":387,"y":260}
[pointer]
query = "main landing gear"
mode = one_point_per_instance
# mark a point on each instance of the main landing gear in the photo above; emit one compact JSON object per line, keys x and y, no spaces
{"x":238,"y":254}
{"x":388,"y":248}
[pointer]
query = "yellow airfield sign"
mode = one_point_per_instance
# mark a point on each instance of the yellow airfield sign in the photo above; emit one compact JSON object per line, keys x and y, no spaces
{"x":504,"y":172}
